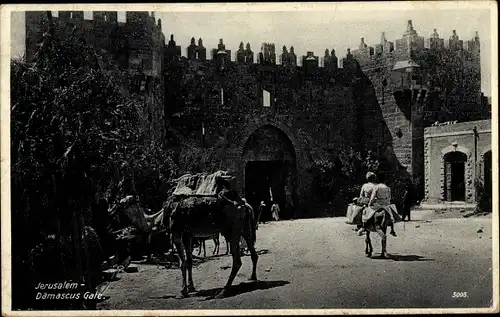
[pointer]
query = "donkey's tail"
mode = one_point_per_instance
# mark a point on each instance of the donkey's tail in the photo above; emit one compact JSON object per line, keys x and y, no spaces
{"x":383,"y":222}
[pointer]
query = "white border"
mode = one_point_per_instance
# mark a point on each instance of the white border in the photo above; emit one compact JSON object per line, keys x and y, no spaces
{"x":5,"y":46}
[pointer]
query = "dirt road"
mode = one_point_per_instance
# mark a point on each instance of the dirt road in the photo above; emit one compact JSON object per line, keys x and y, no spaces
{"x":320,"y":263}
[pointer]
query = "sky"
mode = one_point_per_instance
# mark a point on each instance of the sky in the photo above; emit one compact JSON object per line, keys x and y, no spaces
{"x":310,"y":30}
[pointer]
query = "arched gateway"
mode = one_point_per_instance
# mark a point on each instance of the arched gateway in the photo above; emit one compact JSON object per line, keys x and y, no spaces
{"x":270,"y":170}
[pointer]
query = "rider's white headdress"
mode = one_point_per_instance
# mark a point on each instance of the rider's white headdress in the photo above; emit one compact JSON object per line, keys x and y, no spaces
{"x":370,"y":175}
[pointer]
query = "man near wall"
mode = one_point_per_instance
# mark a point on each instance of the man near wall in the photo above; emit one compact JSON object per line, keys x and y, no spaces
{"x":408,"y":200}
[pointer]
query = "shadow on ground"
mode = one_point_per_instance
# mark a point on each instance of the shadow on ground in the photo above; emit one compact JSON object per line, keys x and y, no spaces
{"x":242,"y":288}
{"x":403,"y":258}
{"x":197,"y":260}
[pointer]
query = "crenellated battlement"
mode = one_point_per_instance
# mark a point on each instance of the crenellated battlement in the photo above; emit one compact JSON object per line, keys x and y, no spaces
{"x":149,"y":37}
{"x":411,"y":44}
{"x":143,"y":18}
{"x":141,"y":39}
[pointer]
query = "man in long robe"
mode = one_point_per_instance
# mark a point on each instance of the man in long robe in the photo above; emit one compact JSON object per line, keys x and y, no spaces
{"x":260,"y":210}
{"x":408,"y":200}
{"x":364,"y":197}
{"x":275,"y":211}
{"x":381,"y":199}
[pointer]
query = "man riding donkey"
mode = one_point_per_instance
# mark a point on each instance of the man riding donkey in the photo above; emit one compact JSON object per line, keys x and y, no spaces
{"x":380,"y":199}
{"x":376,"y":196}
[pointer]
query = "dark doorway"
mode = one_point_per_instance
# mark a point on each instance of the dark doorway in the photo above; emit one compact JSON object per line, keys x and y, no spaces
{"x":266,"y":178}
{"x":454,"y":174}
{"x":487,"y":173}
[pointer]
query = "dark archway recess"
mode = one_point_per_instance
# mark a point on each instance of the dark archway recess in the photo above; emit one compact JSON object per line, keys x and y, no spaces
{"x":270,"y":169}
{"x":454,"y":174}
{"x":488,"y":182}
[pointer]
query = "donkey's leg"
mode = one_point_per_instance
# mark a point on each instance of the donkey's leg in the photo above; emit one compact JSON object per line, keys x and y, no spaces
{"x":228,"y":246}
{"x":383,"y":236}
{"x":368,"y":242}
{"x":198,"y":245}
{"x":217,"y":244}
{"x":179,"y":245}
{"x":250,"y":240}
{"x":148,"y":247}
{"x":188,"y":240}
{"x":235,"y":252}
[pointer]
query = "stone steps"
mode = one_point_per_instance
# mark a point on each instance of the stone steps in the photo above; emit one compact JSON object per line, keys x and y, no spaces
{"x":446,"y":206}
{"x":449,"y":210}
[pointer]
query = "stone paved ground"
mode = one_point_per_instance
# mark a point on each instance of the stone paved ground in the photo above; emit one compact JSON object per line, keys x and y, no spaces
{"x":320,"y":263}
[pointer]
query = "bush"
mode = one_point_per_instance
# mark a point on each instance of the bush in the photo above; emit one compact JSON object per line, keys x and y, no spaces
{"x":195,"y":159}
{"x":337,"y":179}
{"x":75,"y":137}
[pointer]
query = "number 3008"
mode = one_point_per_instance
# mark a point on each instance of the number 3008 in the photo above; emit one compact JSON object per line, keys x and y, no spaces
{"x":459,"y":294}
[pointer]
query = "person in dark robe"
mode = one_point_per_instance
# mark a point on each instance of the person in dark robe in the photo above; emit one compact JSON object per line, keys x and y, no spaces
{"x":260,"y":211}
{"x":408,"y":200}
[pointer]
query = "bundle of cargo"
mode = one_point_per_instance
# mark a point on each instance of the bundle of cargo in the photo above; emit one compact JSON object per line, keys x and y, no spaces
{"x":195,"y":197}
{"x":201,"y":184}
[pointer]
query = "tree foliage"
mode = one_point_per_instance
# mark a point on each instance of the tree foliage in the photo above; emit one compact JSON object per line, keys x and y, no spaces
{"x":76,"y":136}
{"x":338,"y":178}
{"x":70,"y":123}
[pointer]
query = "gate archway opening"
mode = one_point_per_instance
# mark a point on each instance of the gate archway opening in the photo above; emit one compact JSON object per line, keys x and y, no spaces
{"x":270,"y":171}
{"x":454,"y":175}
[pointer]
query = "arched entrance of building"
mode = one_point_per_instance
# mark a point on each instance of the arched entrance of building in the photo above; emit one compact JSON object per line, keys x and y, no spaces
{"x":270,"y":171}
{"x":454,"y":175}
{"x":488,"y":182}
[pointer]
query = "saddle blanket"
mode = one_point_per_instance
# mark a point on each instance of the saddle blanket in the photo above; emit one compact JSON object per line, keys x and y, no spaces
{"x":368,"y":212}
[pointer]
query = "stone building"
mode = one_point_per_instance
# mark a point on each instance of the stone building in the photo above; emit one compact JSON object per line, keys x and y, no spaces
{"x":418,"y":82}
{"x":456,"y":156}
{"x":272,"y":123}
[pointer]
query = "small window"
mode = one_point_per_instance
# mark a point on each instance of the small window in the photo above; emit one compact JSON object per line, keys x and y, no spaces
{"x":222,"y":96}
{"x":266,"y":98}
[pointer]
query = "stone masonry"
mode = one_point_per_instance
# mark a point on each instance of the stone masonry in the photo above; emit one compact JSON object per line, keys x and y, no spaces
{"x":368,"y":100}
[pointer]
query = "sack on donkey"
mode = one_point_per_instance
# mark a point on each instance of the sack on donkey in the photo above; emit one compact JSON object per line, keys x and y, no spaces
{"x":354,"y":214}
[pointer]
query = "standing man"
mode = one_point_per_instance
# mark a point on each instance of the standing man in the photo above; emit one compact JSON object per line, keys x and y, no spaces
{"x":260,"y":210}
{"x":408,"y":199}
